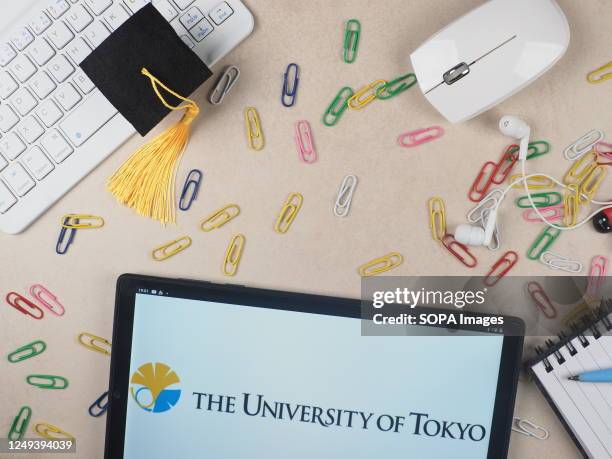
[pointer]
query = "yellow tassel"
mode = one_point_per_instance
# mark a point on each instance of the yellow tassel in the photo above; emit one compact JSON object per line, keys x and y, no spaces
{"x":146,"y":180}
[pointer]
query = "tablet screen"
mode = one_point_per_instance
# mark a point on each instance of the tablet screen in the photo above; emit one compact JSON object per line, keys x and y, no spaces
{"x":214,"y":380}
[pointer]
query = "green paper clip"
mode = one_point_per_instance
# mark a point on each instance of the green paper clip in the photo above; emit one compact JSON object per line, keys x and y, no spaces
{"x":351,"y":40}
{"x":20,"y":424}
{"x":47,"y":381}
{"x":397,"y":86}
{"x":543,"y":242}
{"x":28,"y":351}
{"x":337,"y":107}
{"x":547,"y":199}
{"x":538,"y":148}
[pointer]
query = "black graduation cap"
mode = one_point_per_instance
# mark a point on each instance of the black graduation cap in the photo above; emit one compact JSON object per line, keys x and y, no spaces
{"x":146,"y":40}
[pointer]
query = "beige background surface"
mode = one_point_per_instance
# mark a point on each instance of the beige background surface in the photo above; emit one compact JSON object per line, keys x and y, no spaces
{"x":321,"y":252}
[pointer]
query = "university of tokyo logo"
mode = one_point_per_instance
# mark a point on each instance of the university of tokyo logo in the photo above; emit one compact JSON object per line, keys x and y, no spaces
{"x":153,"y":387}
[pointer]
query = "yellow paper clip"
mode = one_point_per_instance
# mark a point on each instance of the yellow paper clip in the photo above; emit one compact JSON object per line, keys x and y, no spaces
{"x":571,"y":206}
{"x":591,"y":183}
{"x":380,"y":265}
{"x":91,"y":341}
{"x":358,"y":101}
{"x":581,"y":168}
{"x":576,"y":314}
{"x":288,"y":212}
{"x":253,"y":125}
{"x":220,"y":217}
{"x":74,"y":221}
{"x":535,"y":182}
{"x":52,"y":432}
{"x":601,"y":74}
{"x":171,"y":248}
{"x":233,"y":255}
{"x":437,"y":218}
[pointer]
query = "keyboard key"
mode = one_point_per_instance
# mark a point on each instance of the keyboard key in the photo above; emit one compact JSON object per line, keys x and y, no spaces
{"x":23,"y":101}
{"x":183,"y":4}
{"x":201,"y":30}
{"x":166,"y":9}
{"x":78,"y":50}
{"x":79,"y":18}
{"x":30,"y":129}
{"x":98,"y":6}
{"x":7,"y":85}
{"x":187,"y":41}
{"x":41,"y":52}
{"x":57,"y":7}
{"x":115,"y":16}
{"x":87,"y":118}
{"x":7,"y":200}
{"x":22,"y":38}
{"x":135,"y":5}
{"x":18,"y":179}
{"x":96,"y":33}
{"x":60,"y":35}
{"x":49,"y":113}
{"x":61,"y":68}
{"x":56,"y":146}
{"x":40,"y":22}
{"x":22,"y":68}
{"x":67,"y":96}
{"x":83,"y":82}
{"x":37,"y":163}
{"x":7,"y":54}
{"x":8,"y":119}
{"x":12,"y":146}
{"x":191,"y":17}
{"x":220,"y":13}
{"x":3,"y":163}
{"x":42,"y":85}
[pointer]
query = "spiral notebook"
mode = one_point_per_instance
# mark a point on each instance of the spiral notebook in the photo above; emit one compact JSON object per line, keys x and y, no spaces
{"x":584,"y":408}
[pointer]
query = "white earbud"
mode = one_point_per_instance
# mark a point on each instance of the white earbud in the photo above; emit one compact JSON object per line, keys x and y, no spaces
{"x":475,"y":235}
{"x":513,"y":126}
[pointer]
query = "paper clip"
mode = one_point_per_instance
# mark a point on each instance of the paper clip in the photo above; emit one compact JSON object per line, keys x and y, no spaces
{"x":52,"y":432}
{"x":537,"y":148}
{"x":541,"y":299}
{"x":583,"y":145}
{"x":543,"y":242}
{"x":74,"y":221}
{"x":345,"y":196}
{"x":554,"y":261}
{"x":576,"y":315}
{"x":397,"y":86}
{"x":571,"y":206}
{"x":460,"y":251}
{"x":487,"y":203}
{"x":336,"y":109}
{"x":304,"y":142}
{"x":581,"y":169}
{"x":496,"y":239}
{"x":358,"y":101}
{"x":47,"y":299}
{"x":233,"y":255}
{"x":171,"y":248}
{"x":601,"y":74}
{"x":528,"y":428}
{"x":352,"y":33}
{"x":27,"y":351}
{"x":482,"y":183}
{"x":550,"y":198}
{"x":290,"y":87}
{"x":603,"y":148}
{"x":591,"y":183}
{"x":501,"y":268}
{"x":63,"y":243}
{"x":225,"y":83}
{"x":95,"y":343}
{"x":220,"y":217}
{"x":24,"y":305}
{"x":437,"y":218}
{"x":255,"y":135}
{"x":47,"y":381}
{"x":288,"y":212}
{"x":550,"y":214}
{"x":597,"y":275}
{"x":534,"y":182}
{"x":506,"y":163}
{"x":99,"y":407}
{"x":380,"y":265}
{"x":192,"y":183}
{"x":19,"y":426}
{"x":420,"y":136}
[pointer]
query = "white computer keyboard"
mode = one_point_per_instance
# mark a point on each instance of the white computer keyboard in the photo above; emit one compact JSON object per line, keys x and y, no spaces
{"x":55,"y":126}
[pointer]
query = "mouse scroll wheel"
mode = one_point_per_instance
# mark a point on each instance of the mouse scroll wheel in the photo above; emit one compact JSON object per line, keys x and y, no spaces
{"x":456,"y":73}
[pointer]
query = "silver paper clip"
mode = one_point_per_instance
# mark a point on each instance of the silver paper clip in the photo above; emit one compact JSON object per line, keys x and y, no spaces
{"x":554,"y":261}
{"x":345,"y":196}
{"x":583,"y":145}
{"x":225,"y":83}
{"x":496,"y":239}
{"x":488,"y":202}
{"x":529,"y":429}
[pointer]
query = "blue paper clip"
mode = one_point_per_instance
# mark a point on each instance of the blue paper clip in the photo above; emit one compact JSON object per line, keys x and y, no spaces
{"x":63,"y":243}
{"x":99,"y":407}
{"x":290,"y":93}
{"x":194,"y":183}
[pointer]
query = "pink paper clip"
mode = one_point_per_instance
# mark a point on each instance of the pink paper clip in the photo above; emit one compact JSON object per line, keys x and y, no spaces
{"x":599,"y":269}
{"x":541,"y":299}
{"x":550,"y":214}
{"x":417,"y":137}
{"x":304,"y":143}
{"x":604,"y":149}
{"x":47,"y":299}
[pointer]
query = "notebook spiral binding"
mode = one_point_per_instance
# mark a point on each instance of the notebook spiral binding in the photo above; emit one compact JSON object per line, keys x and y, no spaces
{"x":589,"y":322}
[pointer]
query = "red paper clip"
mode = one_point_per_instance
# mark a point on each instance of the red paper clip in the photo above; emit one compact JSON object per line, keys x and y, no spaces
{"x":463,"y":255}
{"x":550,"y":214}
{"x":483,"y":182}
{"x":24,"y":305}
{"x":417,"y":138}
{"x":505,"y":164}
{"x":540,"y":298}
{"x":501,"y":268}
{"x":47,"y":299}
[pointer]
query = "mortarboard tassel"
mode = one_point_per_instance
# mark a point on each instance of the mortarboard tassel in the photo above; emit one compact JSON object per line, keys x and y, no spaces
{"x":146,"y":181}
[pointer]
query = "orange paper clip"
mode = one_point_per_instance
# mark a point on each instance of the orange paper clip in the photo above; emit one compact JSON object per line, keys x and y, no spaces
{"x":501,"y":268}
{"x":459,"y":251}
{"x":47,"y":299}
{"x":24,"y":305}
{"x":540,"y":298}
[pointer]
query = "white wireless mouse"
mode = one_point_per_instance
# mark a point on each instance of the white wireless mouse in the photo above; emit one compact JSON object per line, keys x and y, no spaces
{"x":489,"y":54}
